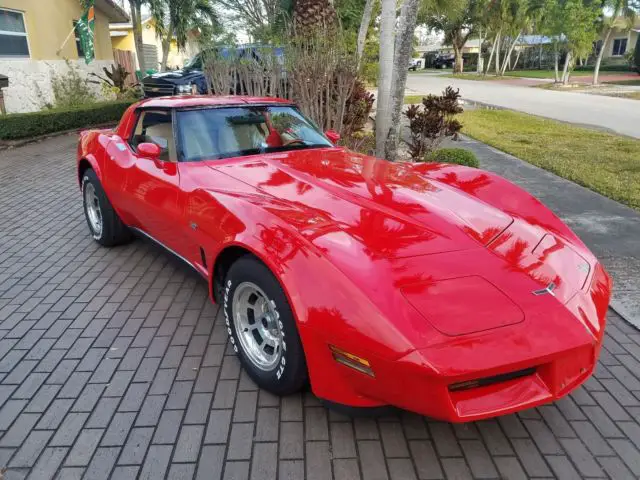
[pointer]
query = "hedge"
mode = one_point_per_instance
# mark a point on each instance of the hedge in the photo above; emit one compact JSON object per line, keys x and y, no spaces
{"x":26,"y":125}
{"x":459,"y":156}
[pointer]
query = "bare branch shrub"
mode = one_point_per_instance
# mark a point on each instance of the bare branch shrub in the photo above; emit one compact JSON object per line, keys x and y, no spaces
{"x":315,"y":71}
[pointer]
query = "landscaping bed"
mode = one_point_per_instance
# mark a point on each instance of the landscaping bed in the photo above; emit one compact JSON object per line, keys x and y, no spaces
{"x":606,"y":163}
{"x":28,"y":125}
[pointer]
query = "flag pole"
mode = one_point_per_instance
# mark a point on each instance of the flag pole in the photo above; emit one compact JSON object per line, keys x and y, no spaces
{"x":73,"y":29}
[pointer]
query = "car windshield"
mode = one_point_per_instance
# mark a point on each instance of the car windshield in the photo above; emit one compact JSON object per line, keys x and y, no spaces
{"x":215,"y":133}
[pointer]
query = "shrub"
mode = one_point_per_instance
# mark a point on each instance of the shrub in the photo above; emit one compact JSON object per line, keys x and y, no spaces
{"x":357,"y":109}
{"x":26,"y":125}
{"x":432,"y":121}
{"x":459,"y":156}
{"x":361,"y":142}
{"x":71,"y":89}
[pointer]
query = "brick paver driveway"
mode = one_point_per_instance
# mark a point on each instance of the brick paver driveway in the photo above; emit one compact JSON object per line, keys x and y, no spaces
{"x":114,"y":363}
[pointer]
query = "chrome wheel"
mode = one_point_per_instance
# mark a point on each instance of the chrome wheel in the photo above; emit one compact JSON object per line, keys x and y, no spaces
{"x":92,"y":206}
{"x":258,"y":327}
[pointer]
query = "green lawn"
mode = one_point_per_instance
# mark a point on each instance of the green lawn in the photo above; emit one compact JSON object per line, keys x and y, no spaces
{"x":604,"y":162}
{"x":408,"y":99}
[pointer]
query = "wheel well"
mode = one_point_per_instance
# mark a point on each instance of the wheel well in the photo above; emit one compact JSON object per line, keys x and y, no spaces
{"x":223,"y":262}
{"x":83,"y":166}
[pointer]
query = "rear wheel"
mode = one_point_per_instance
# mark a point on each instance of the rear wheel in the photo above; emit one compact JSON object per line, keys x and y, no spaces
{"x":106,"y":227}
{"x":262,"y":328}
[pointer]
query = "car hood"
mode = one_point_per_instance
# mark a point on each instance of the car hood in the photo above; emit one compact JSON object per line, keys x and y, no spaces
{"x":391,"y":229}
{"x":339,"y":197}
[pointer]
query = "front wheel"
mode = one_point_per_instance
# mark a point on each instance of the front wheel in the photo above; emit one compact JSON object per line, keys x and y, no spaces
{"x":106,"y":227}
{"x":262,"y":328}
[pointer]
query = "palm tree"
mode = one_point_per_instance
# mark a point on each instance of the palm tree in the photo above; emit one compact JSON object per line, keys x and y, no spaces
{"x":135,"y":9}
{"x":177,"y":19}
{"x":618,"y":8}
{"x":310,"y":15}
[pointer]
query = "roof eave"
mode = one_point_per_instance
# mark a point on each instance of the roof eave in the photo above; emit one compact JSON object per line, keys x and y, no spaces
{"x":113,"y":12}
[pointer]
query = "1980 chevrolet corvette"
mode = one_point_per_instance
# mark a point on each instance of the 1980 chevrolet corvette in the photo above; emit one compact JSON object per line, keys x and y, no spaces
{"x":436,"y":288}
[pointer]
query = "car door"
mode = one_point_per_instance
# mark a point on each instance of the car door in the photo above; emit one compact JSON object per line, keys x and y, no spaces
{"x":149,"y":188}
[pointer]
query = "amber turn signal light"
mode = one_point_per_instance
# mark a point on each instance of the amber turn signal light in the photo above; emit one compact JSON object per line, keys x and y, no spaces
{"x":352,"y":361}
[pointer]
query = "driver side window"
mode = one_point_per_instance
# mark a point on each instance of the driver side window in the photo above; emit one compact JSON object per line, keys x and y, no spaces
{"x":155,"y":126}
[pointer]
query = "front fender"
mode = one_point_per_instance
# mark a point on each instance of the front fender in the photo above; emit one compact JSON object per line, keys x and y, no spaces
{"x":328,"y":307}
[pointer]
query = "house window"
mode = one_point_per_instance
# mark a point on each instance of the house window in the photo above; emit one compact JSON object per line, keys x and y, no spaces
{"x":13,"y":34}
{"x":78,"y":42}
{"x":619,"y":46}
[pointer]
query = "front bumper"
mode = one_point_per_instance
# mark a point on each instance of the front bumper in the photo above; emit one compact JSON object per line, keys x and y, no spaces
{"x":562,"y":350}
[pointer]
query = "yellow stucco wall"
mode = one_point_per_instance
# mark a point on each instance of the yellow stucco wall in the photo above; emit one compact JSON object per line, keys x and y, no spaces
{"x":48,"y":23}
{"x":149,"y":36}
{"x":124,"y":43}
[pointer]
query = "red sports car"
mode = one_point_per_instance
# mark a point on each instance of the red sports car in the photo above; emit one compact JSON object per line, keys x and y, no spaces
{"x":436,"y":288}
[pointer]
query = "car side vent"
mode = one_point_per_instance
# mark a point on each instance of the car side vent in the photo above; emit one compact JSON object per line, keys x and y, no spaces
{"x":483,"y":382}
{"x":203,"y":257}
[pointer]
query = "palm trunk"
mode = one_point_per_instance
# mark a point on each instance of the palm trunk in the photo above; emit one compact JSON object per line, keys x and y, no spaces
{"x":458,"y":65}
{"x":507,"y":59}
{"x":480,"y":65}
{"x":497,"y":46}
{"x":515,"y":64}
{"x":565,"y":69}
{"x":493,"y":50}
{"x":540,"y":58}
{"x":403,"y":49}
{"x":136,"y":15}
{"x":166,"y":46}
{"x":555,"y":63}
{"x":364,"y":28}
{"x":596,"y":69}
{"x":385,"y":76}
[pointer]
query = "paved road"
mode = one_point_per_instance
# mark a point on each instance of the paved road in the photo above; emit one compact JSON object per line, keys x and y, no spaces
{"x":616,"y":114}
{"x":114,"y":363}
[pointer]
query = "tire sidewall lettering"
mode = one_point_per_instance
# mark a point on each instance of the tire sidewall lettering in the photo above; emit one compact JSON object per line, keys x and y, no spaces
{"x":228,"y":293}
{"x":85,"y":181}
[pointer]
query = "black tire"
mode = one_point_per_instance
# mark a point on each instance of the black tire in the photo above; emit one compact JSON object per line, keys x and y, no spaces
{"x":113,"y":231}
{"x":289,"y":375}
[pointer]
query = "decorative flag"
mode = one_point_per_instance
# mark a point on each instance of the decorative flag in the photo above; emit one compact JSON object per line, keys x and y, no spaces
{"x":85,"y":28}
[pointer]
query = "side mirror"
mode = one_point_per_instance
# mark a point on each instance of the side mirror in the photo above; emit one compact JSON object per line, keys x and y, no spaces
{"x":149,"y":150}
{"x":333,"y":136}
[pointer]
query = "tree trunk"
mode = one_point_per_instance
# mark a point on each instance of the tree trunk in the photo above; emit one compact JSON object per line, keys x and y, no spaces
{"x":565,"y":69}
{"x":515,"y":64}
{"x":480,"y":65}
{"x":493,"y":50}
{"x":458,"y":64}
{"x":166,"y":46}
{"x":507,"y":59}
{"x":134,"y":6}
{"x":497,"y":47}
{"x":385,"y":76}
{"x":403,"y":50}
{"x":555,"y":62}
{"x":364,"y":28}
{"x":540,"y":58}
{"x":596,"y":69}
